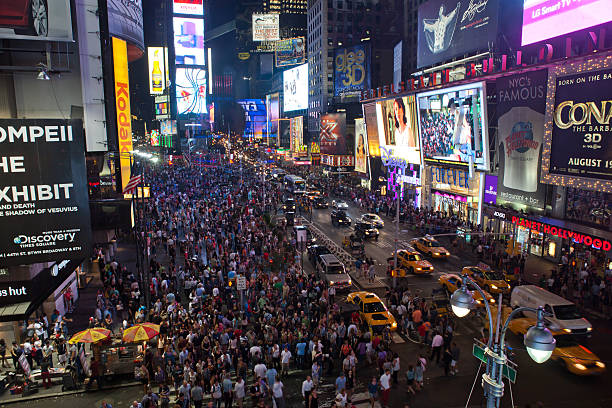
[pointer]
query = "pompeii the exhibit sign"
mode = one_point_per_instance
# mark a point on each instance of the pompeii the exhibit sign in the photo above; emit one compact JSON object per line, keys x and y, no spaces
{"x":44,"y":207}
{"x":578,"y":127}
{"x":521,"y":103}
{"x":450,"y":28}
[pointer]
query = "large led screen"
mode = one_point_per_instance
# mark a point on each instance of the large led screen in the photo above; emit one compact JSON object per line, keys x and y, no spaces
{"x":254,"y":117}
{"x":397,"y":128}
{"x":452,"y":125}
{"x":295,"y":85}
{"x":190,"y":90}
{"x":188,"y":7}
{"x":544,"y":19}
{"x":273,"y":115}
{"x":54,"y":21}
{"x":189,"y":41}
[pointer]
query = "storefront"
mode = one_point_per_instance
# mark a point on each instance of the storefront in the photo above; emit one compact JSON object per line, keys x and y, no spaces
{"x":43,"y":293}
{"x":453,"y":192}
{"x":545,"y":237}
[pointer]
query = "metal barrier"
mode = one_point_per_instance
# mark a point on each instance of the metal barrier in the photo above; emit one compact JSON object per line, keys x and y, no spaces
{"x":334,"y":248}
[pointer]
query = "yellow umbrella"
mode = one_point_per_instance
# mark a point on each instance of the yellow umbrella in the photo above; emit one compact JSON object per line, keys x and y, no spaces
{"x":90,"y":335}
{"x":140,"y":332}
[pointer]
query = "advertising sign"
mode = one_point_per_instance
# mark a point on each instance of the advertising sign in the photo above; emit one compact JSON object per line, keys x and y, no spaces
{"x":154,"y":138}
{"x":44,"y":206}
{"x":254,"y":117}
{"x":521,"y":102}
{"x":273,"y":114}
{"x":450,"y":28}
{"x":297,"y":134}
{"x":544,"y":19}
{"x":333,"y":134}
{"x":15,"y":292}
{"x":397,"y":65}
{"x":122,"y":104}
{"x":361,"y":146}
{"x":265,"y":27}
{"x":125,"y":21}
{"x":578,"y":128}
{"x":295,"y":86}
{"x":168,"y":127}
{"x":452,"y":125}
{"x":188,"y":7}
{"x":371,"y":123}
{"x":490,"y":192}
{"x":291,"y":51}
{"x":189,"y":41}
{"x":157,"y":70}
{"x":190,"y":91}
{"x":54,"y":22}
{"x":351,"y":70}
{"x":284,"y":133}
{"x":397,"y":128}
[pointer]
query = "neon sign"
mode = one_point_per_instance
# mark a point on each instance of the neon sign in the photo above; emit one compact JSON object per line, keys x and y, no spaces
{"x":397,"y":169}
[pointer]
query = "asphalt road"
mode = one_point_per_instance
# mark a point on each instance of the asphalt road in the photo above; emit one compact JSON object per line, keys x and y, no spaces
{"x":549,"y":383}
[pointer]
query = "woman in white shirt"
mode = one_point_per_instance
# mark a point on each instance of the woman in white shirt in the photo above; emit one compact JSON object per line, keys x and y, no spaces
{"x":403,"y":131}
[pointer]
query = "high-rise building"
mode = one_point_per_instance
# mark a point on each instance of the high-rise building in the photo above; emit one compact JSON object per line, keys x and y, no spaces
{"x":411,"y":34}
{"x":341,"y":23}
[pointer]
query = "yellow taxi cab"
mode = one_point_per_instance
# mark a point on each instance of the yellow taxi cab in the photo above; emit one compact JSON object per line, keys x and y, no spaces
{"x":430,"y":246}
{"x":372,"y":310}
{"x":451,"y":282}
{"x":410,"y":261}
{"x":487,"y":279}
{"x":575,"y":357}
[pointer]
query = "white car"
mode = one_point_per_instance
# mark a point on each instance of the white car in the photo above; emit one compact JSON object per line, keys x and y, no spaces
{"x":339,"y":205}
{"x":373,"y":219}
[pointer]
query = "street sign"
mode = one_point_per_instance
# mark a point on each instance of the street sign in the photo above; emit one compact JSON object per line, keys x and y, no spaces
{"x":241,"y":282}
{"x":508,"y":372}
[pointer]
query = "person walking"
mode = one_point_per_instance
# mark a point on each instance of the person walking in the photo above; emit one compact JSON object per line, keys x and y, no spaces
{"x":277,"y":393}
{"x":307,"y":388}
{"x":197,"y":395}
{"x":436,"y":347}
{"x":373,"y":391}
{"x":239,"y":392}
{"x":385,"y":386}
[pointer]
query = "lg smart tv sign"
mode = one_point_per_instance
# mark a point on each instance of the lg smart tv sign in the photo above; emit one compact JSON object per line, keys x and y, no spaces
{"x":544,"y":19}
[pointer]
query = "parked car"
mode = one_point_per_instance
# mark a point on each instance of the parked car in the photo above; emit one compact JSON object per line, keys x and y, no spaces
{"x":340,"y":218}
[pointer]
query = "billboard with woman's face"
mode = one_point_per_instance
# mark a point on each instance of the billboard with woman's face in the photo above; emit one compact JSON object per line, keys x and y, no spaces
{"x":361,"y":146}
{"x":397,"y":131}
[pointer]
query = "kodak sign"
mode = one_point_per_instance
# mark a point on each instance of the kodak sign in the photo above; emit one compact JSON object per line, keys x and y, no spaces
{"x":122,"y":104}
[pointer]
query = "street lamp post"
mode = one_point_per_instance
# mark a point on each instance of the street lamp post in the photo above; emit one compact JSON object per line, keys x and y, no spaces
{"x":539,"y":341}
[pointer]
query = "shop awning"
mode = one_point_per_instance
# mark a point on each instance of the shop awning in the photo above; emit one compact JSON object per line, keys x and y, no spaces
{"x":17,"y":311}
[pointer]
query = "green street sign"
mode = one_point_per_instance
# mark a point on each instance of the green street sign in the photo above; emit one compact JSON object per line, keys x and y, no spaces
{"x":508,"y":372}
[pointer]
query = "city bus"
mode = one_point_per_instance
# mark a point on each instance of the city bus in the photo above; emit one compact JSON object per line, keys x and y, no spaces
{"x":295,"y":184}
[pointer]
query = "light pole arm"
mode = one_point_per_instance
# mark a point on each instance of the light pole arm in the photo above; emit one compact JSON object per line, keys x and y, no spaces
{"x":466,"y":280}
{"x":539,"y":313}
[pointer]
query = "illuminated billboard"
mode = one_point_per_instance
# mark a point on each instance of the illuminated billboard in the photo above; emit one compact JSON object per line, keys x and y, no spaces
{"x":452,"y":126}
{"x":361,"y":146}
{"x":265,"y":27}
{"x":397,"y":128}
{"x":125,"y":21}
{"x":577,"y":132}
{"x":190,"y":91}
{"x":254,"y":117}
{"x":297,"y":134}
{"x":351,"y":70}
{"x":452,"y":28}
{"x":188,"y":7}
{"x":122,"y":105}
{"x":272,"y":117}
{"x":158,"y":70}
{"x":333,"y":134}
{"x":295,"y":86}
{"x":189,"y":41}
{"x":544,"y":19}
{"x":291,"y":51}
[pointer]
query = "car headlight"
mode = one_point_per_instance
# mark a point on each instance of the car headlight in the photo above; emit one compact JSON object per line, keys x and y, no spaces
{"x":493,"y":287}
{"x":419,"y":269}
{"x":479,"y":302}
{"x":350,"y":282}
{"x":589,"y":329}
{"x":394,"y":324}
{"x":600,"y":364}
{"x":492,"y":300}
{"x":567,"y":330}
{"x":331,"y":282}
{"x":579,"y":366}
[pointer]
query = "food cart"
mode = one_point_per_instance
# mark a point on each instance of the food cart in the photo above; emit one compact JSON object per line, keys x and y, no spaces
{"x":119,"y":358}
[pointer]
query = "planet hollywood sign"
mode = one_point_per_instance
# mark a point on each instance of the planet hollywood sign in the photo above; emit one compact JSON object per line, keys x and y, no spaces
{"x":577,"y":237}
